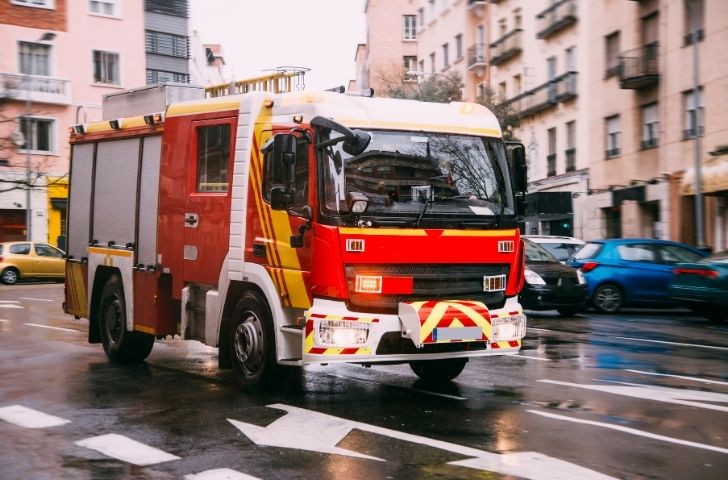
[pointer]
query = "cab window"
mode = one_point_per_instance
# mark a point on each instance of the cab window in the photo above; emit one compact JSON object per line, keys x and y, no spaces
{"x":20,"y":249}
{"x":213,"y":154}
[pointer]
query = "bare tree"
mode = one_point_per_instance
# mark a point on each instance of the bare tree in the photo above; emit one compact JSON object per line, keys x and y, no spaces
{"x":426,"y":88}
{"x":507,"y":115}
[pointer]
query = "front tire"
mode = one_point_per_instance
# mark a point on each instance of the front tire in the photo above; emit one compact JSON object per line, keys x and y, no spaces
{"x":10,"y":276}
{"x":252,"y":344}
{"x":120,"y":345}
{"x":608,"y":298}
{"x":438,"y":371}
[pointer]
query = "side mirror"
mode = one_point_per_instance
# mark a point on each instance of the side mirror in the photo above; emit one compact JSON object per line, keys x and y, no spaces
{"x":355,"y":141}
{"x":519,"y":173}
{"x":281,"y":168}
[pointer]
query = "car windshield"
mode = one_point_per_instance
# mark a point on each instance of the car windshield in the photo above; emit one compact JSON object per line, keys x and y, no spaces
{"x":534,"y":253}
{"x":416,"y":174}
{"x":561,"y":251}
{"x":590,"y":250}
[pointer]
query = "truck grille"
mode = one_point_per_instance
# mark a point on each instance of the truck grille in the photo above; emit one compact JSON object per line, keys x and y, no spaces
{"x":430,"y":282}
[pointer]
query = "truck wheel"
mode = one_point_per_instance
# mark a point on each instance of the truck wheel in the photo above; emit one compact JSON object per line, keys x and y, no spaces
{"x":252,"y":344}
{"x":10,"y":276}
{"x":438,"y":370}
{"x":608,"y":298}
{"x":120,"y":345}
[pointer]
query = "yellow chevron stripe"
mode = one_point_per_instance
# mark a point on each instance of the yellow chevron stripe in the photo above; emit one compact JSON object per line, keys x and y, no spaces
{"x":297,"y":289}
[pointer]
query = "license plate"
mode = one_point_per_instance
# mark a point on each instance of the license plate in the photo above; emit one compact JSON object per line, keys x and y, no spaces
{"x":457,"y":333}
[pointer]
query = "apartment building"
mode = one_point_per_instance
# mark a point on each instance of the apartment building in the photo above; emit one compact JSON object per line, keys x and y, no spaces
{"x":59,"y":58}
{"x":166,"y":31}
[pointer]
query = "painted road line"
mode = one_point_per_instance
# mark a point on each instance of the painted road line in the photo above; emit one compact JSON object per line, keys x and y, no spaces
{"x":293,"y":430}
{"x":220,"y":474}
{"x":29,"y":418}
{"x":631,"y":431}
{"x":52,"y":328}
{"x":11,"y":305}
{"x":682,"y":377}
{"x":127,"y":450}
{"x":36,"y":299}
{"x":530,"y":357}
{"x":4,"y":320}
{"x":696,"y":345}
{"x":692,"y":398}
{"x":366,"y":380}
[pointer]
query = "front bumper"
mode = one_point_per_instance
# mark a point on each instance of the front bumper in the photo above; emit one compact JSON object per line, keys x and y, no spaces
{"x":550,"y":297}
{"x":417,"y":332}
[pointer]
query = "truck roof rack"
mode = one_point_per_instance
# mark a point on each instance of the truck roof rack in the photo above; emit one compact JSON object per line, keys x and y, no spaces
{"x":284,"y":79}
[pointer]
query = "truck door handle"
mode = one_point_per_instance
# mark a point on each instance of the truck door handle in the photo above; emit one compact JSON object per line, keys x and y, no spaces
{"x":191,"y":220}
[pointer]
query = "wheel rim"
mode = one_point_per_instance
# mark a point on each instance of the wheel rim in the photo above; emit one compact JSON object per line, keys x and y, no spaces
{"x":248,"y":343}
{"x":113,"y":320}
{"x":609,"y":299}
{"x":10,"y":276}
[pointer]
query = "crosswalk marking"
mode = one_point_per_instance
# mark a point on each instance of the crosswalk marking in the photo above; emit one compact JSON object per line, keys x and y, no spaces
{"x":29,"y":418}
{"x":220,"y":474}
{"x":127,"y":450}
{"x":631,"y":431}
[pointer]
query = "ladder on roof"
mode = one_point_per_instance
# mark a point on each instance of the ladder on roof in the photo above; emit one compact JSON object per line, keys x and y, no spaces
{"x":282,"y":81}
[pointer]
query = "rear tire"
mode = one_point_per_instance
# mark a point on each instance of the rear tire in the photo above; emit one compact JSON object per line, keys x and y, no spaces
{"x":10,"y":276}
{"x":438,"y":371}
{"x":252,"y":346}
{"x":120,"y":345}
{"x":608,"y":298}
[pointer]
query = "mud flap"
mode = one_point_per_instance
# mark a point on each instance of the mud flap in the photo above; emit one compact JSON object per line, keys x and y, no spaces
{"x":445,"y":321}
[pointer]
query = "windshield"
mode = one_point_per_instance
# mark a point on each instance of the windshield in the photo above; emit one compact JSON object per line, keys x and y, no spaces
{"x":535,"y":253}
{"x":562,"y":251}
{"x":418,"y":175}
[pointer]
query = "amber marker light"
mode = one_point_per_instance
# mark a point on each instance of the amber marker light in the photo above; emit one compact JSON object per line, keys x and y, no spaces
{"x":368,"y":284}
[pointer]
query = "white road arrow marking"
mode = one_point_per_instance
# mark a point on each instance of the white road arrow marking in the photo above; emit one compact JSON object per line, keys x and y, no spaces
{"x":127,"y":450}
{"x":220,"y":474}
{"x":29,"y":418}
{"x":312,"y":431}
{"x":693,"y":398}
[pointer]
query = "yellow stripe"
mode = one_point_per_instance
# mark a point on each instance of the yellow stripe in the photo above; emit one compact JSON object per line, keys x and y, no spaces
{"x":478,"y":233}
{"x":374,"y":232}
{"x":297,"y":289}
{"x":104,"y":126}
{"x":202,"y":107}
{"x":430,"y":127}
{"x":141,"y":328}
{"x":110,"y":251}
{"x":435,"y":316}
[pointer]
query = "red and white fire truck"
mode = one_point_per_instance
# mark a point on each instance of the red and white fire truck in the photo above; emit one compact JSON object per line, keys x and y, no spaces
{"x":298,"y":228}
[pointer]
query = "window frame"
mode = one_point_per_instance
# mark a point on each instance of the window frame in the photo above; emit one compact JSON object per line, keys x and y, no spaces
{"x":458,"y":47}
{"x":195,"y":178}
{"x":27,"y":244}
{"x":47,"y":4}
{"x":116,"y":7}
{"x":612,"y":62}
{"x":52,"y":135}
{"x":613,"y":139}
{"x":410,"y":27}
{"x":118,"y":69}
{"x":693,"y":125}
{"x":650,"y":130}
{"x":445,"y":55}
{"x":49,"y":57}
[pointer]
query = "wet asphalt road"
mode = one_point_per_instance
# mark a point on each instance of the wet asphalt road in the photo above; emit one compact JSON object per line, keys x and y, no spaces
{"x":638,"y":395}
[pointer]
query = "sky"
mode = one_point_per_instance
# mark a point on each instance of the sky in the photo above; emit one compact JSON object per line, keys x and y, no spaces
{"x":263,"y":34}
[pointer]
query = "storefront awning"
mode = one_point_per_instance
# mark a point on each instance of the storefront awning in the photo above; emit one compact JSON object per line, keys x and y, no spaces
{"x":714,"y":173}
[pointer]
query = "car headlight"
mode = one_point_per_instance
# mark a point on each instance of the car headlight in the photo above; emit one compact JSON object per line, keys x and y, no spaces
{"x":580,"y":276}
{"x":533,"y":278}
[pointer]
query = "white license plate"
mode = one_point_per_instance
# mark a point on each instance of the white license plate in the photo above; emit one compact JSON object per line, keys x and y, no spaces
{"x":457,"y":333}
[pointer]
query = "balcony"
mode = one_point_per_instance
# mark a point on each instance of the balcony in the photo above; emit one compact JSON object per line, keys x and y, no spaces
{"x":506,"y":47}
{"x":639,"y":68}
{"x":545,"y":96}
{"x":555,"y":18}
{"x":42,"y":89}
{"x":476,"y":58}
{"x":477,"y":7}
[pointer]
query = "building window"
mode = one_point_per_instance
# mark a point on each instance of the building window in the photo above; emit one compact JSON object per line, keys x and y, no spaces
{"x":433,"y":67}
{"x":613,"y":136}
{"x":167,"y":44}
{"x":502,"y":90}
{"x":458,"y":46}
{"x":161,"y":76}
{"x":611,"y":43}
{"x":38,"y":134}
{"x":431,"y":9}
{"x":445,"y":55}
{"x":106,"y":68}
{"x":694,"y":113}
{"x":694,"y":20}
{"x":570,"y":59}
{"x":517,"y":19}
{"x":104,"y":7}
{"x":34,"y":58}
{"x":50,"y":4}
{"x":516,"y":84}
{"x":410,"y":67}
{"x":213,"y":155}
{"x":650,"y":126}
{"x":421,"y":66}
{"x":570,"y":146}
{"x":421,"y":17}
{"x":410,"y":27}
{"x":176,"y":8}
{"x":551,"y":157}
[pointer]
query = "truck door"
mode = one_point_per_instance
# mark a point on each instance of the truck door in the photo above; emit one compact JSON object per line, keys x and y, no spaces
{"x":207,"y":209}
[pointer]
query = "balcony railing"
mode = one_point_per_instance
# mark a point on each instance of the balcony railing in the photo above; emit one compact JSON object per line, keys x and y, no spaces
{"x":545,"y":96}
{"x":570,"y":159}
{"x":551,"y":165}
{"x":42,"y":89}
{"x":639,"y":68}
{"x":476,"y":56}
{"x":506,"y":47}
{"x":649,"y":143}
{"x":558,"y":16}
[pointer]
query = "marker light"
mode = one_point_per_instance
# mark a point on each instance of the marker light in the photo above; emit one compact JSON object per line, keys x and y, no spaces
{"x":368,"y":284}
{"x":342,"y":333}
{"x":509,"y":328}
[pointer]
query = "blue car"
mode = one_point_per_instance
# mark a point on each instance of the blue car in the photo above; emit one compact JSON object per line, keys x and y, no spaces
{"x":630,"y":272}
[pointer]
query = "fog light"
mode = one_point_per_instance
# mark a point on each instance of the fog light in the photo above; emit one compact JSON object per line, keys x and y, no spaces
{"x":509,"y":328}
{"x":368,"y":284}
{"x":342,"y":333}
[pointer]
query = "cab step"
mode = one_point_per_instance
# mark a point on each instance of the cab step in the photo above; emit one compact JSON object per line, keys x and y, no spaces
{"x":294,"y":329}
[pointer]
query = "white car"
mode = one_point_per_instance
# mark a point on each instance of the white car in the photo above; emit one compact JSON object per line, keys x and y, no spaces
{"x":560,"y":247}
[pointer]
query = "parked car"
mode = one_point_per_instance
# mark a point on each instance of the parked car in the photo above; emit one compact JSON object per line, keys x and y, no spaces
{"x":560,"y":247}
{"x":702,"y":286}
{"x":630,"y":272}
{"x":24,"y":260}
{"x":550,"y":285}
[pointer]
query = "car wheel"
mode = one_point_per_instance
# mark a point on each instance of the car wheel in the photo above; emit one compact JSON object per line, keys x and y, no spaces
{"x":568,"y":311}
{"x":10,"y":276}
{"x":608,"y":298}
{"x":438,"y":371}
{"x":252,"y":344}
{"x":119,"y":344}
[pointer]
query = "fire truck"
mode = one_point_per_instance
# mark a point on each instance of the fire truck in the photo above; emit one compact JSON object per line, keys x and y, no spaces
{"x":296,"y":228}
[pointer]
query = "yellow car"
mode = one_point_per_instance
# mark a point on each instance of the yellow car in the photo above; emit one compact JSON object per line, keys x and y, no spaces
{"x":23,"y":260}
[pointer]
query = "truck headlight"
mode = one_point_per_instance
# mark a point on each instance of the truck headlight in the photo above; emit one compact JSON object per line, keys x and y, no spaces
{"x":533,"y":278}
{"x":342,"y":333}
{"x":509,"y":328}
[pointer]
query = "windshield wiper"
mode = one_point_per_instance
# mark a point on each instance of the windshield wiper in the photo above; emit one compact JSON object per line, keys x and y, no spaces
{"x":428,"y":202}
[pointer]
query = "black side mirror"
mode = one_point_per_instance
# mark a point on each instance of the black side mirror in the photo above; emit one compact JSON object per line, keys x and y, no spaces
{"x":355,"y":141}
{"x":519,"y":173}
{"x":281,"y":169}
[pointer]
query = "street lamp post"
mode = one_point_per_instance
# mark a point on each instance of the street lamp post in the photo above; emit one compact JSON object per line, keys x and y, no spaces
{"x":47,"y":37}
